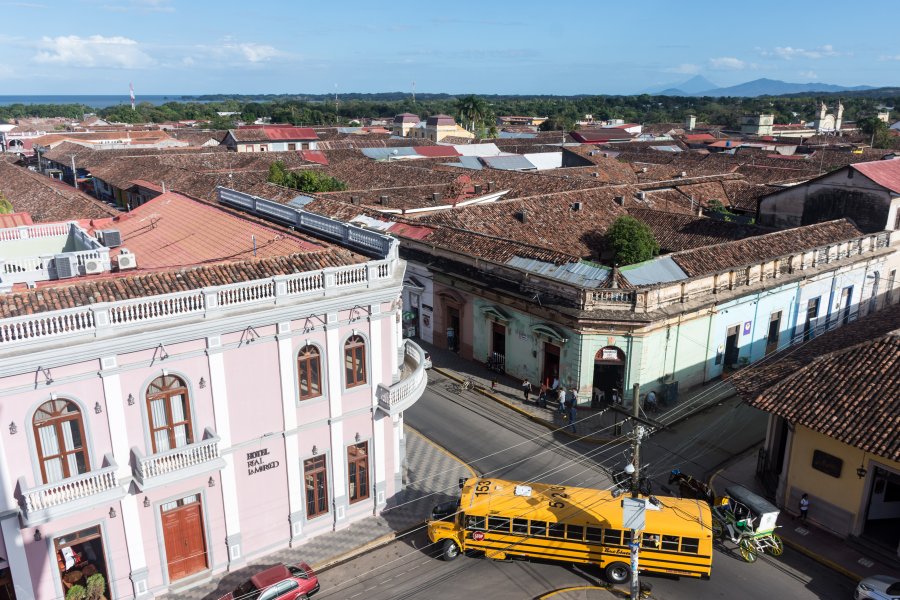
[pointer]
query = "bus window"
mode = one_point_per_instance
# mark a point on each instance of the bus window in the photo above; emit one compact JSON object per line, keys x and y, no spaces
{"x":575,"y":532}
{"x":626,"y":535}
{"x":670,"y":542}
{"x":690,"y":545}
{"x":475,"y":523}
{"x":650,"y":540}
{"x":612,"y":537}
{"x":498,"y":524}
{"x":556,"y":530}
{"x":520,"y":526}
{"x":538,"y":528}
{"x":594,"y":535}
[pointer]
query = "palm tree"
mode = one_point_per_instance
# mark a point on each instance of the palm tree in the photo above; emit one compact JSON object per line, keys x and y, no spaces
{"x":472,"y":109}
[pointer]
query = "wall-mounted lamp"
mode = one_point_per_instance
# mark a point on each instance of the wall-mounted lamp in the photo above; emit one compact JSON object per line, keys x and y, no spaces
{"x":314,"y":451}
{"x":202,"y":383}
{"x":13,"y":430}
{"x":357,"y":437}
{"x":130,"y":400}
{"x":146,"y":502}
{"x":112,"y":513}
{"x":861,"y":470}
{"x":97,"y":408}
{"x":37,"y":535}
{"x":211,"y":482}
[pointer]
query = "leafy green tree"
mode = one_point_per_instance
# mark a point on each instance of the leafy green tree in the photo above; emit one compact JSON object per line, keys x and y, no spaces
{"x":6,"y":206}
{"x":631,"y":241}
{"x":307,"y":181}
{"x":878,"y":131}
{"x":472,"y":110}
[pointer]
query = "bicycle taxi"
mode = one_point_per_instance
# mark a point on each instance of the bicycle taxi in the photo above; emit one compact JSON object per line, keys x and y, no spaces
{"x":748,"y":520}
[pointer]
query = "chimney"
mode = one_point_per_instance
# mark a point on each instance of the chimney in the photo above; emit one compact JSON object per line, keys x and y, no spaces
{"x":522,"y":215}
{"x":435,"y":196}
{"x":477,"y":189}
{"x":490,"y":185}
{"x":641,"y":196}
{"x":576,"y":206}
{"x":683,"y":174}
{"x":163,"y":187}
{"x":354,"y":200}
{"x":384,"y":200}
{"x":643,"y":169}
{"x":620,"y":200}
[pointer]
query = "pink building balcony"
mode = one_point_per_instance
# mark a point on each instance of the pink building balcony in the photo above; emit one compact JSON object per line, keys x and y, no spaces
{"x":163,"y":468}
{"x":52,"y":500}
{"x":413,"y":379}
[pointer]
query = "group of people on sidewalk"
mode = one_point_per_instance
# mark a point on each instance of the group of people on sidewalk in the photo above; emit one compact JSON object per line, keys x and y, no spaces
{"x":554,"y":392}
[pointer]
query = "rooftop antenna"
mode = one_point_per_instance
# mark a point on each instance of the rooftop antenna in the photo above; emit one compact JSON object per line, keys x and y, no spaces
{"x":414,"y":92}
{"x":335,"y":104}
{"x":131,"y":89}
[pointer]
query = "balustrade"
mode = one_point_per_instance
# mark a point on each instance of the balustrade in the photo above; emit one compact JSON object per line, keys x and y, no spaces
{"x":69,"y":490}
{"x":178,"y":459}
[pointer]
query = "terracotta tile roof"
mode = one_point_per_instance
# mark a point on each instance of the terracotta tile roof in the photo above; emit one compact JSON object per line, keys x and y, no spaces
{"x":268,"y":133}
{"x":682,"y":232}
{"x":721,"y":257}
{"x":174,"y":230}
{"x":496,"y":249}
{"x":844,"y":384}
{"x":15,"y":220}
{"x":46,"y":199}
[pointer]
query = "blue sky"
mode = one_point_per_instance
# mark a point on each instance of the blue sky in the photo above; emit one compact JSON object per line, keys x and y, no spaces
{"x":503,"y":47}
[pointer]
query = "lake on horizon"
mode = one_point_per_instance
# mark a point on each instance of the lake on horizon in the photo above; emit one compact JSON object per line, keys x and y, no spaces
{"x":94,"y":101}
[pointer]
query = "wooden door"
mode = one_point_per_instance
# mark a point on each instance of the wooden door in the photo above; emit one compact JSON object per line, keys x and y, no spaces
{"x":185,"y":546}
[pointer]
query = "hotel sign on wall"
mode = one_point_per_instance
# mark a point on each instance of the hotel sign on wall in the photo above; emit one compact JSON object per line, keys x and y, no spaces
{"x":257,"y":462}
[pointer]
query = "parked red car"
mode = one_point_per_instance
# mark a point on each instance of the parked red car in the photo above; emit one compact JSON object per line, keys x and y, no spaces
{"x":281,"y":582}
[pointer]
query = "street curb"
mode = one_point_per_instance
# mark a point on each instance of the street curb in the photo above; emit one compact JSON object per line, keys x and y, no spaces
{"x":787,"y":542}
{"x":588,"y":438}
{"x":444,"y":450}
{"x":579,"y":588}
{"x":484,"y":392}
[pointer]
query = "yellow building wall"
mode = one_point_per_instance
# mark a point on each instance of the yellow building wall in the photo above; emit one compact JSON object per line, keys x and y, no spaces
{"x":848,"y":492}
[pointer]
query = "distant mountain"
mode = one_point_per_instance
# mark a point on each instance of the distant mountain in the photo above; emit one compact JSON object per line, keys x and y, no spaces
{"x":774,"y":87}
{"x":697,"y":83}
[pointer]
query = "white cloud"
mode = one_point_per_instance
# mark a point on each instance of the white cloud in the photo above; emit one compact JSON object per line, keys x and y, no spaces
{"x":809,"y":75}
{"x":727,"y":63}
{"x":231,"y":53}
{"x":256,"y":52}
{"x":93,"y":51}
{"x":685,"y":69}
{"x":889,"y":57}
{"x":789,"y":53}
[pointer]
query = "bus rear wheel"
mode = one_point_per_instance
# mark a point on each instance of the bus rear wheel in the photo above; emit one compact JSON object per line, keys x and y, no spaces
{"x":449,"y":550}
{"x":618,"y":572}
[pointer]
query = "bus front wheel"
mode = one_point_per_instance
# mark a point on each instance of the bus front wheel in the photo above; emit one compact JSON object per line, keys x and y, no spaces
{"x":618,"y":572}
{"x":449,"y":550}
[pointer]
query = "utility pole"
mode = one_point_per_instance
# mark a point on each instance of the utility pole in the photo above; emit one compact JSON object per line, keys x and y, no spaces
{"x":74,"y":172}
{"x":636,"y":488}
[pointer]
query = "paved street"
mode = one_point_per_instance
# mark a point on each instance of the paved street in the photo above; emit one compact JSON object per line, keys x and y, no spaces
{"x":497,"y":441}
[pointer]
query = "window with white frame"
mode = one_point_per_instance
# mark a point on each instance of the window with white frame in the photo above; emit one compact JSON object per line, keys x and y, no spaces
{"x":59,"y":431}
{"x":169,"y":413}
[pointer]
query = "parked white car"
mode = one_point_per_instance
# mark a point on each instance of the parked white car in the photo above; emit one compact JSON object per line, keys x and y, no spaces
{"x":878,"y":587}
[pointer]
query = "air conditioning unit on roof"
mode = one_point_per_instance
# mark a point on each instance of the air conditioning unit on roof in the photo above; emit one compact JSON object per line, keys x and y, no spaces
{"x":92,"y":266}
{"x":127,"y":260}
{"x":111,"y":238}
{"x":66,"y":266}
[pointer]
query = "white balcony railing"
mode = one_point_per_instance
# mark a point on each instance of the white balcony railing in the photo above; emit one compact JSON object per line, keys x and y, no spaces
{"x":403,"y":394}
{"x":69,"y":490}
{"x":177,"y":459}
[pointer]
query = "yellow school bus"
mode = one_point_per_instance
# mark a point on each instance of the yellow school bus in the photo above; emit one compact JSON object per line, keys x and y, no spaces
{"x":506,"y":519}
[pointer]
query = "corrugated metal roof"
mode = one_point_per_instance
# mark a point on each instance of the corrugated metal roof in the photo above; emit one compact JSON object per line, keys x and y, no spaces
{"x":300,"y":201}
{"x":545,"y":160}
{"x":510,"y":162}
{"x":576,"y":273}
{"x":659,"y":270}
{"x":883,"y":172}
{"x":516,"y":135}
{"x":385,"y":153}
{"x":468,"y":162}
{"x":372,"y":223}
{"x":478,"y":150}
{"x":667,"y":148}
{"x":436,"y":151}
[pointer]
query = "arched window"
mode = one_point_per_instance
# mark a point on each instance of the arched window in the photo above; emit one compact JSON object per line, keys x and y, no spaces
{"x":355,"y":361}
{"x":60,"y":440}
{"x":309,"y":372}
{"x":169,"y":411}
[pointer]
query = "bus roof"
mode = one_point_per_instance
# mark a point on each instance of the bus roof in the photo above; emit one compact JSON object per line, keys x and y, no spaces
{"x":586,"y":506}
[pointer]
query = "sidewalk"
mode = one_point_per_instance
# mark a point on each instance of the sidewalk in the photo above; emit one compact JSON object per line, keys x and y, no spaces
{"x":597,"y":423}
{"x":806,"y":538}
{"x":431,"y":477}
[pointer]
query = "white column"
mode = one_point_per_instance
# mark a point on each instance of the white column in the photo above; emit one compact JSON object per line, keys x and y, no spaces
{"x":399,"y":452}
{"x":15,"y":556}
{"x":115,"y":415}
{"x":219,"y":392}
{"x":379,"y":421}
{"x":376,"y":376}
{"x":289,"y":412}
{"x":335,"y":361}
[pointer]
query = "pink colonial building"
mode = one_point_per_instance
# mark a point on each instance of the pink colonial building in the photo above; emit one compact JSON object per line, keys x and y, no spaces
{"x":188,"y":386}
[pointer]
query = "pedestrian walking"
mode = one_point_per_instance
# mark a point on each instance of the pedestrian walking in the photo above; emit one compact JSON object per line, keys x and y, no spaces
{"x":542,"y":397}
{"x":804,"y":506}
{"x":526,"y":389}
{"x":562,"y":401}
{"x":614,"y":397}
{"x":650,"y":402}
{"x":570,"y":403}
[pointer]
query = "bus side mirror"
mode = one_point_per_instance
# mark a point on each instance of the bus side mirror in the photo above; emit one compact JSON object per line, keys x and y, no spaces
{"x":462,"y":482}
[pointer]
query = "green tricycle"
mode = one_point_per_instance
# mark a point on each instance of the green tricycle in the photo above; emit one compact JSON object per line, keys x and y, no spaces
{"x":748,"y":520}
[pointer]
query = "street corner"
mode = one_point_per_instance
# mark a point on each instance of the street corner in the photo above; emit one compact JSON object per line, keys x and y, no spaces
{"x":583,"y":592}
